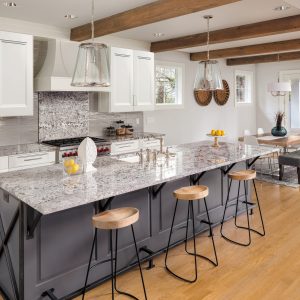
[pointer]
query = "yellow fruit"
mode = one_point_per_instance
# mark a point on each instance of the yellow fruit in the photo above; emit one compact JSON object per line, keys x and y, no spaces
{"x":213,"y":132}
{"x":69,"y":163}
{"x":74,"y":169}
{"x":222,"y":132}
{"x":218,"y":132}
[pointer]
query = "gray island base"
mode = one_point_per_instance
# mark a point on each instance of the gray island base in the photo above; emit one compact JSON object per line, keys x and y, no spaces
{"x":45,"y":218}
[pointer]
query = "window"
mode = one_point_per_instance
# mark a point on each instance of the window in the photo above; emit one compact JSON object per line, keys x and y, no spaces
{"x":168,"y":84}
{"x":243,"y":87}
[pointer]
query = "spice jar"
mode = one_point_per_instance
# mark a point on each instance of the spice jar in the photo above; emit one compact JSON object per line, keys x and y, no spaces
{"x":129,"y":130}
{"x":121,"y":130}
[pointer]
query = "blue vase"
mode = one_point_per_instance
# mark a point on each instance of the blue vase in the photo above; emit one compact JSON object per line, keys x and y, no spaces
{"x":279,"y":131}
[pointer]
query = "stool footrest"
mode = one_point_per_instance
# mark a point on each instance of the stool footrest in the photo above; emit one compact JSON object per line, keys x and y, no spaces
{"x":206,"y":222}
{"x":249,"y":203}
{"x":100,"y":263}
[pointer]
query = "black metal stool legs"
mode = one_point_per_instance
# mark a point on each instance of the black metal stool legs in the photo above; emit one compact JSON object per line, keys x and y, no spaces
{"x":114,"y":266}
{"x":247,"y":203}
{"x":215,"y":263}
{"x":89,"y":265}
{"x":263,"y":233}
{"x":169,"y":242}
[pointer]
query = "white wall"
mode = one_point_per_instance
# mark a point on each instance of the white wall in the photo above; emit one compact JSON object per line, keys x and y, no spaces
{"x":267,"y":105}
{"x":193,"y":122}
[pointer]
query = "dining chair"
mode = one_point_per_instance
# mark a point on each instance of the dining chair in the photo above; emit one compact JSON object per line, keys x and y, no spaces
{"x":247,"y":132}
{"x":260,"y":131}
{"x":252,"y":141}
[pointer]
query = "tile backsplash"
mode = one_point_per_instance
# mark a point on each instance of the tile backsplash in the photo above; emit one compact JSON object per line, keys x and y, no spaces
{"x":99,"y":121}
{"x":62,"y":115}
{"x":20,"y":130}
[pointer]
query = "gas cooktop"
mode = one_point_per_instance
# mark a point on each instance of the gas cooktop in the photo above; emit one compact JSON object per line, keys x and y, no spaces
{"x":72,"y":141}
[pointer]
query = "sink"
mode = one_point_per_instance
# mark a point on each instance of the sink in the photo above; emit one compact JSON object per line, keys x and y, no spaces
{"x":130,"y":159}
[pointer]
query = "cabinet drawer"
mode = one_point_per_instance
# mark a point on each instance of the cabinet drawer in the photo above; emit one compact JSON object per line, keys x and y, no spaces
{"x":152,"y":143}
{"x":124,"y":147}
{"x":31,"y":159}
{"x":3,"y":163}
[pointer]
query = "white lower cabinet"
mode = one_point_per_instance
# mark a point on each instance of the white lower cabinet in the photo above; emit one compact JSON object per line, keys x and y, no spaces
{"x":26,"y":161}
{"x":150,"y":144}
{"x":124,"y":147}
{"x":3,"y":164}
{"x":16,"y":74}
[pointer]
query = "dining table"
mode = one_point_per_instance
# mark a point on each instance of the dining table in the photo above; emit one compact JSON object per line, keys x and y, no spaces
{"x":290,"y":140}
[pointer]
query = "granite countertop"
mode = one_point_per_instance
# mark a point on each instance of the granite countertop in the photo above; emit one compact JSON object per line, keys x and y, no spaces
{"x":24,"y":148}
{"x":47,"y":190}
{"x":134,"y":136}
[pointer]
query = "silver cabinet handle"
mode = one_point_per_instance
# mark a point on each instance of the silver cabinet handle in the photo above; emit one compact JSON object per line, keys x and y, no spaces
{"x":144,"y":57}
{"x":122,"y":55}
{"x":27,"y":156}
{"x":13,"y":42}
{"x":30,"y":159}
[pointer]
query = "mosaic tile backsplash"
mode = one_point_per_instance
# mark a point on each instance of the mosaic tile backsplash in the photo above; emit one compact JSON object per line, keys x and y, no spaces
{"x":63,"y":114}
{"x":20,"y":130}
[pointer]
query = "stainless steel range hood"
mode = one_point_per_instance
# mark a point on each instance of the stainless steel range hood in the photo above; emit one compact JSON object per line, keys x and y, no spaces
{"x":57,"y":70}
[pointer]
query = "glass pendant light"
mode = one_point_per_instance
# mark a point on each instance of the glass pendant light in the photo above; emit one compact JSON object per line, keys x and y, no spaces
{"x":208,"y":77}
{"x":279,"y":88}
{"x":92,"y":67}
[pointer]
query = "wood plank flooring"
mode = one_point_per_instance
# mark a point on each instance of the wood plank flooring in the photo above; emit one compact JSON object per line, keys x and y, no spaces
{"x":267,"y":270}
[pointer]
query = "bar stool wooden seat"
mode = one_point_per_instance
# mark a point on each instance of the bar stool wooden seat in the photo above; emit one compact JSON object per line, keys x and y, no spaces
{"x":115,"y":219}
{"x":243,"y":176}
{"x":191,"y":194}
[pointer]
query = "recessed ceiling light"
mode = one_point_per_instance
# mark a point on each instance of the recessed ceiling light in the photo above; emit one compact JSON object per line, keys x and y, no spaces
{"x":158,"y":34}
{"x":282,"y":8}
{"x":70,"y":16}
{"x":9,"y":4}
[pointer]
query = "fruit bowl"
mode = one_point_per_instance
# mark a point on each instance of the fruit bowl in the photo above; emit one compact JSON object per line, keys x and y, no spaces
{"x":216,"y":139}
{"x":72,"y":166}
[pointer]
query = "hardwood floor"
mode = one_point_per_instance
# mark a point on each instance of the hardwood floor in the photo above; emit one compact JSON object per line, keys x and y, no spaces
{"x":267,"y":270}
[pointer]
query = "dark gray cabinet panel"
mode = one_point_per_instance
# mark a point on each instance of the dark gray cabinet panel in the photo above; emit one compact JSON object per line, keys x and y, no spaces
{"x":58,"y":254}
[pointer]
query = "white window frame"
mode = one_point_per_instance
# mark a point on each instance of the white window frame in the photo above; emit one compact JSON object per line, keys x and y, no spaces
{"x":249,"y":76}
{"x":180,"y":85}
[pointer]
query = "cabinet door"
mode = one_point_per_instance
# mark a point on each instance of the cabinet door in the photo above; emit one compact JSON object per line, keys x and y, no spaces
{"x":121,"y":80}
{"x":143,"y":81}
{"x":16,"y":74}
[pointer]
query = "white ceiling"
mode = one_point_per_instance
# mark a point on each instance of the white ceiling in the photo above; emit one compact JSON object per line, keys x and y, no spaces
{"x":244,"y":12}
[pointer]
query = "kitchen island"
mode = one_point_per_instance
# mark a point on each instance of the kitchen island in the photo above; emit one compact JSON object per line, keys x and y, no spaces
{"x":46,"y":229}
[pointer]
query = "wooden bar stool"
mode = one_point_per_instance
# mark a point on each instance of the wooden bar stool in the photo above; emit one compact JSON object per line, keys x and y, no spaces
{"x":190,"y":194}
{"x":115,"y":219}
{"x":243,"y":175}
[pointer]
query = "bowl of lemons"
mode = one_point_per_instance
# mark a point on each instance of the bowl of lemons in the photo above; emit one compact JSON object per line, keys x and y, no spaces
{"x":216,"y":134}
{"x":72,"y":166}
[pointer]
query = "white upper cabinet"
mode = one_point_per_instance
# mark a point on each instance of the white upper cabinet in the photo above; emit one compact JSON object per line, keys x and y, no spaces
{"x":143,"y":81}
{"x":121,"y":80}
{"x":16,"y":74}
{"x":132,"y":82}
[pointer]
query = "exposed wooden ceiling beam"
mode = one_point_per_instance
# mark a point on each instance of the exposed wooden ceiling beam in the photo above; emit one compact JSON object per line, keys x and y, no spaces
{"x":248,"y":50}
{"x":143,"y":15}
{"x":254,"y":30}
{"x":263,"y":58}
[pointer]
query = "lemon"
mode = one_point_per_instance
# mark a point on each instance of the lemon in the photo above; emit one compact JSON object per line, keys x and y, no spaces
{"x":222,"y":132}
{"x":69,"y":163}
{"x":74,"y":169}
{"x":219,"y":132}
{"x":213,"y":132}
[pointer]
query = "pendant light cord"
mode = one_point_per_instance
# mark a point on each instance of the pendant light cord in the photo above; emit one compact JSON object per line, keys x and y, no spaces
{"x":92,"y":22}
{"x":208,"y":37}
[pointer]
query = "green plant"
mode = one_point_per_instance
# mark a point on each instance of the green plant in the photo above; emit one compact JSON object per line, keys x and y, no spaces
{"x":279,"y":118}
